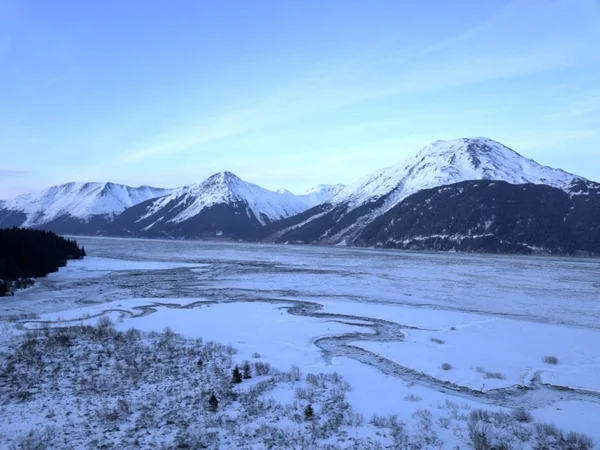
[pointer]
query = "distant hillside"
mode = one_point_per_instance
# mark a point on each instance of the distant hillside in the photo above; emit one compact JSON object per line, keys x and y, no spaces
{"x":26,"y":253}
{"x":74,"y":208}
{"x":492,"y":216}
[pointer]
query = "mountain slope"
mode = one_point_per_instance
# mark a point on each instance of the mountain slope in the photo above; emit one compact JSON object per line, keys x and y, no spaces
{"x":222,"y":205}
{"x":492,"y":216}
{"x":321,"y":194}
{"x":343,"y":218}
{"x":476,"y":216}
{"x":74,"y":207}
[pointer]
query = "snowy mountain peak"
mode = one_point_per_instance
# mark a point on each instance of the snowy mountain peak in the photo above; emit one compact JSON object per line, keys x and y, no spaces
{"x":447,"y":162}
{"x":80,"y":201}
{"x":329,"y":188}
{"x":477,"y":152}
{"x":441,"y":163}
{"x":224,"y":177}
{"x":227,"y":189}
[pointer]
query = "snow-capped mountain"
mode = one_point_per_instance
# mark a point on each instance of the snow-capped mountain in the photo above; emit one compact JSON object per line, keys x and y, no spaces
{"x":441,"y":163}
{"x":447,"y":162}
{"x":321,"y":193}
{"x":221,"y":205}
{"x":74,"y":206}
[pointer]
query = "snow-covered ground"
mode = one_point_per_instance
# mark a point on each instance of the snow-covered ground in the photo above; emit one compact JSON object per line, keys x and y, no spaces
{"x":386,"y":321}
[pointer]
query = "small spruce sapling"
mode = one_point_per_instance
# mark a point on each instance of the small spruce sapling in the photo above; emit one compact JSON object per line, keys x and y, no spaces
{"x":213,"y":403}
{"x":236,"y":375}
{"x":246,"y":370}
{"x":309,"y":412}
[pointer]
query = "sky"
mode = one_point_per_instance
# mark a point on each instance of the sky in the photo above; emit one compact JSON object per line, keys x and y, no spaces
{"x":288,"y":94}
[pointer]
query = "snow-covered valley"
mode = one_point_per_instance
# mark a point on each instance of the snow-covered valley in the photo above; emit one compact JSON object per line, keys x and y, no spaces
{"x":427,"y":342}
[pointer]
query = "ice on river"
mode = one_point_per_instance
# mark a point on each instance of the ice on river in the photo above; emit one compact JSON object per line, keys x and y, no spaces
{"x":496,"y":318}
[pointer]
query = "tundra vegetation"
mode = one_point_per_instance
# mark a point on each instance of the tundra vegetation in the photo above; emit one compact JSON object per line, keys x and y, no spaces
{"x":97,"y":387}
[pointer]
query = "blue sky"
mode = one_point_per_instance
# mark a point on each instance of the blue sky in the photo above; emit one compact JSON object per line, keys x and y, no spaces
{"x":288,"y":94}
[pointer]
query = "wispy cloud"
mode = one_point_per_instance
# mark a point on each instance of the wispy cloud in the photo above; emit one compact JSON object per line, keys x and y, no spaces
{"x":524,"y":38}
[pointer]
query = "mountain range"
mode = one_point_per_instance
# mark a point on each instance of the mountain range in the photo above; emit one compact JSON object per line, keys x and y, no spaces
{"x":238,"y":207}
{"x":77,"y":208}
{"x":470,"y":194}
{"x":222,"y":205}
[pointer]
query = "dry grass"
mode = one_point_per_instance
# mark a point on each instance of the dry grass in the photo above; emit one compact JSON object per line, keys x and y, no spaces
{"x":550,"y":360}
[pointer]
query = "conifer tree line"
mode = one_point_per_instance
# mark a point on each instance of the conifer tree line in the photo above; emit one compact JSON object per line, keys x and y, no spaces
{"x":26,"y":253}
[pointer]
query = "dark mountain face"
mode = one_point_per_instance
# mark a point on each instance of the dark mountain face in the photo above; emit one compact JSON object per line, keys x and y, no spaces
{"x":67,"y":224}
{"x":321,"y":223}
{"x":9,"y":218}
{"x":232,"y":220}
{"x":486,"y":216}
{"x":584,"y":216}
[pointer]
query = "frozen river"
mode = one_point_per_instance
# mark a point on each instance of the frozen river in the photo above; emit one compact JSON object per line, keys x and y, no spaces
{"x":554,"y":290}
{"x":386,"y":320}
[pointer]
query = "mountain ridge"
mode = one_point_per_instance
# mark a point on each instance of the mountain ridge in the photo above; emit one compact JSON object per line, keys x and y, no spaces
{"x":223,"y":205}
{"x":414,"y":204}
{"x":61,"y":207}
{"x":440,"y":163}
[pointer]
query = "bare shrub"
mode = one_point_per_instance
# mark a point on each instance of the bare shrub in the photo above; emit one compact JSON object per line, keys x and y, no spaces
{"x":578,"y":441}
{"x":490,"y":375}
{"x":547,"y":436}
{"x":522,"y":415}
{"x":494,"y":375}
{"x":480,"y":415}
{"x":444,"y":422}
{"x":412,"y":398}
{"x":104,"y":322}
{"x":427,"y":436}
{"x":521,"y":431}
{"x":133,"y":334}
{"x":262,"y":368}
{"x":296,"y":374}
{"x":437,"y":341}
{"x":479,"y":435}
{"x":379,"y":421}
{"x":446,"y":366}
{"x":305,"y":394}
{"x":311,"y":378}
{"x":256,"y":355}
{"x":353,"y":419}
{"x":550,"y":360}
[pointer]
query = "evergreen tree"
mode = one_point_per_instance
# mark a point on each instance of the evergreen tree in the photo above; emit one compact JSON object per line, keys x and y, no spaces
{"x":236,"y":375}
{"x":246,"y":370}
{"x":309,"y":413}
{"x":213,"y":403}
{"x":26,"y":253}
